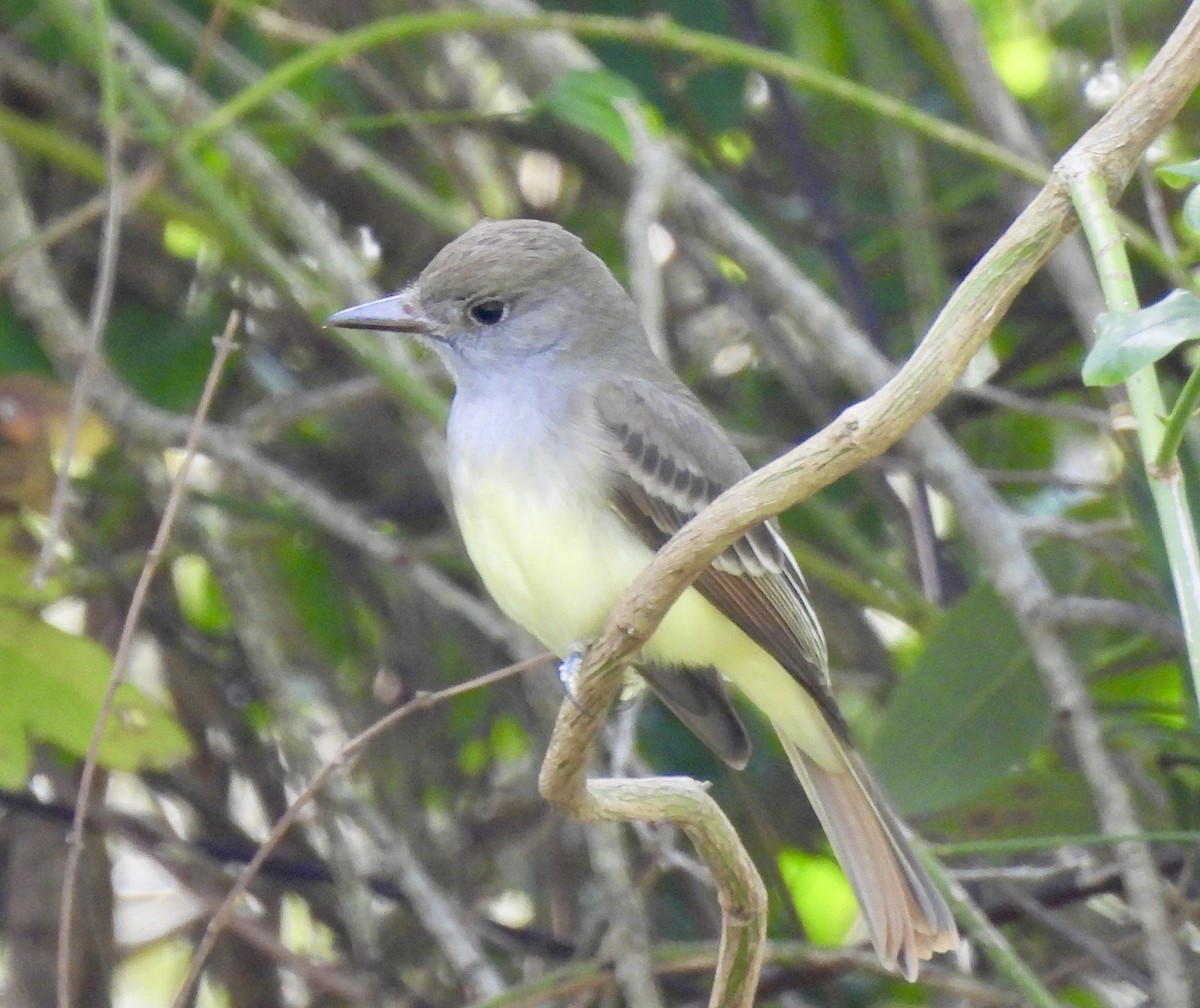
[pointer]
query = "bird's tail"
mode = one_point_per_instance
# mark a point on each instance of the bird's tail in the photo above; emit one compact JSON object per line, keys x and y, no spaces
{"x":906,"y":916}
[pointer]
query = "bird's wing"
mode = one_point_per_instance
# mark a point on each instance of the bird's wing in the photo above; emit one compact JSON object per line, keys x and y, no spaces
{"x":672,"y":459}
{"x":698,"y":697}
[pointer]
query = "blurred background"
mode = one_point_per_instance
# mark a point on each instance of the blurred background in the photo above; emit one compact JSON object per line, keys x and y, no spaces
{"x":164,"y":163}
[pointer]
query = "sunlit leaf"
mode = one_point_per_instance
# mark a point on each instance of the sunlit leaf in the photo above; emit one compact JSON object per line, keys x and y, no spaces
{"x":509,"y":740}
{"x":473,"y":757}
{"x":1156,"y":691}
{"x":735,"y":146}
{"x":183,"y":240}
{"x":822,"y":897}
{"x":1079,"y":995}
{"x":1024,"y":62}
{"x":52,"y":683}
{"x":1179,"y":176}
{"x":200,"y":598}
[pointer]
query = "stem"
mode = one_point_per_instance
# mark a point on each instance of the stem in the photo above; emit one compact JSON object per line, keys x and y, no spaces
{"x":653,"y":32}
{"x":999,"y":952}
{"x":1090,"y":195}
{"x":1175,"y":424}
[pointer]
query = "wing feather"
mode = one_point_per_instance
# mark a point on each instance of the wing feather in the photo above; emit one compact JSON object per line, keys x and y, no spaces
{"x":671,"y":461}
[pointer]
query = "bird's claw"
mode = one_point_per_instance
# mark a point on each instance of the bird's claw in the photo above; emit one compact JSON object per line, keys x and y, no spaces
{"x":568,"y":673}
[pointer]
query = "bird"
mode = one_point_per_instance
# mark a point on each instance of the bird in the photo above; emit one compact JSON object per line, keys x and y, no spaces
{"x":573,"y":454}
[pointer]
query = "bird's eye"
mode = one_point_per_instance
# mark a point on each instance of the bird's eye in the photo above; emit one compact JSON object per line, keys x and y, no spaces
{"x":488,"y":312}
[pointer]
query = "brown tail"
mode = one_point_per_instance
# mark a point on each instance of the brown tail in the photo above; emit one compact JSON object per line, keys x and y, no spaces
{"x":906,"y":916}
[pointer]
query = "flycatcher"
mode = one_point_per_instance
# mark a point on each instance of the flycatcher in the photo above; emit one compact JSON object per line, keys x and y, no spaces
{"x":574,"y":453}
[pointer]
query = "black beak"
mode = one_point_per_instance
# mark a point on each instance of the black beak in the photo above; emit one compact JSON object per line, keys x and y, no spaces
{"x":397,"y":313}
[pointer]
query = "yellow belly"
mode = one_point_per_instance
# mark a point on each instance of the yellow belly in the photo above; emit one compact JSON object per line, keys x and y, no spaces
{"x":553,"y":565}
{"x":556,"y":563}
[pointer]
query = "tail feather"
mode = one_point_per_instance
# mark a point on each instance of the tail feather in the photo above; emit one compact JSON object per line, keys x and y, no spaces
{"x":906,"y":916}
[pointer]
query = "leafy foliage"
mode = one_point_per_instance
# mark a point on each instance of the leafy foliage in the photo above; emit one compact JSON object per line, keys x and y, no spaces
{"x":53,"y":683}
{"x":315,"y":578}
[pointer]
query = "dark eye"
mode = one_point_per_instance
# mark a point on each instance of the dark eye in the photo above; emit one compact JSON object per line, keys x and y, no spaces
{"x":488,"y":312}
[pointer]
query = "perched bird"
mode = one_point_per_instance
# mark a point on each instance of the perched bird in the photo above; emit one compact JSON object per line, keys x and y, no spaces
{"x":574,"y":453}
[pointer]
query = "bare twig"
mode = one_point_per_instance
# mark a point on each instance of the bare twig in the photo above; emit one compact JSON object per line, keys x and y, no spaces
{"x":269,"y":419}
{"x":102,"y":292}
{"x":1002,"y":117}
{"x":149,"y":424}
{"x":627,"y":942}
{"x":224,"y":913}
{"x":792,"y":963}
{"x":651,"y":165}
{"x":1074,"y":610}
{"x":224,"y":347}
{"x":1057,"y":924}
{"x":1036,"y":407}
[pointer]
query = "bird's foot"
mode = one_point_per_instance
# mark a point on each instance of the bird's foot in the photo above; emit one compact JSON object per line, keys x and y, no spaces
{"x":568,"y":672}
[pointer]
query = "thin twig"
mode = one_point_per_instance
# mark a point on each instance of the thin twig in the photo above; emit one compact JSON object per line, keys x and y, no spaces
{"x":270,"y":418}
{"x":224,"y":347}
{"x":1005,"y":122}
{"x":792,"y":964}
{"x":106,"y":277}
{"x":1057,"y":924}
{"x":1020,"y":403}
{"x":1074,"y":610}
{"x":223,"y":915}
{"x":990,"y":939}
{"x":121,"y":197}
{"x":651,"y":165}
{"x":130,"y":192}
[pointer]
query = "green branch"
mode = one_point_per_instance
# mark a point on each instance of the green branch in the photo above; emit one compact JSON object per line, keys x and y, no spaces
{"x":1183,"y":411}
{"x":654,"y":32}
{"x":1167,"y":488}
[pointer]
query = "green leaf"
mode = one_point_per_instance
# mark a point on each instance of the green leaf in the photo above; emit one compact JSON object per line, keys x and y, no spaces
{"x":1045,"y":800}
{"x":200,"y":598}
{"x":684,"y":90}
{"x":1178,"y":176}
{"x":823,"y":898}
{"x":19,"y":348}
{"x":473,"y":757}
{"x":318,"y":595}
{"x":163,"y":355}
{"x":16,"y":563}
{"x":585,"y":99}
{"x":508,"y":740}
{"x":183,"y":239}
{"x":969,"y":710}
{"x":1191,"y":210}
{"x":1126,"y":342}
{"x":52,"y":683}
{"x":1078,"y":995}
{"x":1157,"y":692}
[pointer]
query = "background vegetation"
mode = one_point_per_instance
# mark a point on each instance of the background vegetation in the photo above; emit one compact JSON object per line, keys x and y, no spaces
{"x":163,"y":163}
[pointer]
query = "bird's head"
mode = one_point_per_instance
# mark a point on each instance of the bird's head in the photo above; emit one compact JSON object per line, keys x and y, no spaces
{"x":507,"y":292}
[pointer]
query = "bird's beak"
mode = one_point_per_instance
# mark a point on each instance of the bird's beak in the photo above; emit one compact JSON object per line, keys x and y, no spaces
{"x":397,"y":313}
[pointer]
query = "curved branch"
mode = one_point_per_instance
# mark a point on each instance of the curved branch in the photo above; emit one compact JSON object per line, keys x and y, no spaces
{"x":866,"y":429}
